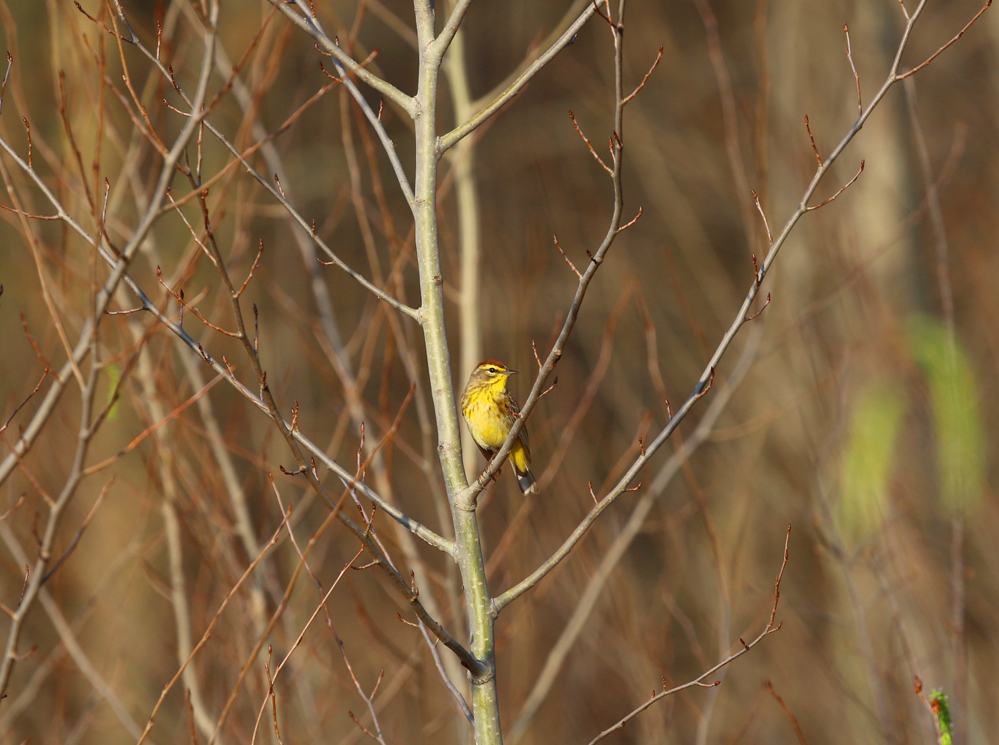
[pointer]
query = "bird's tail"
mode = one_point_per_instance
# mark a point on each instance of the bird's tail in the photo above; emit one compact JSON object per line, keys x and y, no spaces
{"x":525,"y":479}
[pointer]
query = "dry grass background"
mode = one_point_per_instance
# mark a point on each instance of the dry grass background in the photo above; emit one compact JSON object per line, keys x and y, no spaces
{"x":838,"y":428}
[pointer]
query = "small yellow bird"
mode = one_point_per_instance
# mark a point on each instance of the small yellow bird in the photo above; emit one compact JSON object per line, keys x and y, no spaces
{"x":490,"y":411}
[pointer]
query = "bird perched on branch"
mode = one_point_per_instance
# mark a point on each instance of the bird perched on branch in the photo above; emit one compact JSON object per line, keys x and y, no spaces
{"x":490,"y":412}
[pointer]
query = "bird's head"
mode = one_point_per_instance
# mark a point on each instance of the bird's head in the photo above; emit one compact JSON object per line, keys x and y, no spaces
{"x":492,"y":372}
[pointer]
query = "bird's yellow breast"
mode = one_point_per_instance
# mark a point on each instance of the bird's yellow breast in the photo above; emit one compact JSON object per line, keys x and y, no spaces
{"x":488,"y":423}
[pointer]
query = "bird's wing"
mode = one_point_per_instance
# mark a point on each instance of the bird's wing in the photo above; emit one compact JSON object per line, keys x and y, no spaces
{"x":513,"y":406}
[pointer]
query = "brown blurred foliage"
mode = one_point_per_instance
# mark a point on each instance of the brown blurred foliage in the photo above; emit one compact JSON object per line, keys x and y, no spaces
{"x":847,"y":425}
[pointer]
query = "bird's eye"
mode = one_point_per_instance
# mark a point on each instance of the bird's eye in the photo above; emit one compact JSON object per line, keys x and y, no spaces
{"x":493,"y":370}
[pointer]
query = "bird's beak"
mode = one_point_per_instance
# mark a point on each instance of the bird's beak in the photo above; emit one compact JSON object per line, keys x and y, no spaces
{"x":511,"y":372}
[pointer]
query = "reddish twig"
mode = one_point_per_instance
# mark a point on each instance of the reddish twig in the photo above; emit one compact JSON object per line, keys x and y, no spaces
{"x":931,"y":706}
{"x":253,"y":268}
{"x":37,"y":387}
{"x":590,"y":146}
{"x":151,"y":428}
{"x":27,"y":574}
{"x":844,"y":188}
{"x":856,"y":75}
{"x":937,"y":53}
{"x":707,"y":385}
{"x":3,"y":86}
{"x":179,"y":297}
{"x":769,"y":629}
{"x":645,"y":79}
{"x":770,"y":238}
{"x":571,"y":266}
{"x":548,"y":390}
{"x":10,"y":510}
{"x":211,"y":625}
{"x":780,"y":576}
{"x":815,"y":149}
{"x":27,"y":129}
{"x":28,"y":214}
{"x":607,"y":18}
{"x":794,"y":721}
{"x":408,"y":623}
{"x":79,"y":533}
{"x":757,"y":313}
{"x":632,"y":222}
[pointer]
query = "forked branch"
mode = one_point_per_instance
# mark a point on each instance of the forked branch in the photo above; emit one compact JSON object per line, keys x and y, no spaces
{"x":448,"y":140}
{"x":310,"y":26}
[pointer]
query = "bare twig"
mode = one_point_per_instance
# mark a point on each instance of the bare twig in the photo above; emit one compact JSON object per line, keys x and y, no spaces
{"x":448,"y":140}
{"x":588,"y":145}
{"x":940,"y":51}
{"x":842,"y":189}
{"x":762,"y":308}
{"x":856,"y":75}
{"x":745,"y":647}
{"x":455,"y":693}
{"x":248,"y":572}
{"x":79,"y":533}
{"x":815,"y":149}
{"x":704,"y":382}
{"x":575,"y":271}
{"x":646,"y":78}
{"x":310,"y":26}
{"x":770,"y":238}
{"x":787,"y":712}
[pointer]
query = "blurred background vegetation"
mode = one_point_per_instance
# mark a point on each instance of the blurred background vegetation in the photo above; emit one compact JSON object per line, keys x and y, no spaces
{"x":865,"y":420}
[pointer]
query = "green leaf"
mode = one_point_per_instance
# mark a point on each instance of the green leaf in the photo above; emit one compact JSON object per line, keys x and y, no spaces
{"x":867,"y":459}
{"x":957,"y":419}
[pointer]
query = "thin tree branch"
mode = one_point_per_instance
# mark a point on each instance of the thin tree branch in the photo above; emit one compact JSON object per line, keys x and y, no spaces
{"x":313,"y":27}
{"x":444,"y":38}
{"x":769,"y":629}
{"x":459,"y":699}
{"x":448,"y":140}
{"x":940,"y":51}
{"x":310,"y":26}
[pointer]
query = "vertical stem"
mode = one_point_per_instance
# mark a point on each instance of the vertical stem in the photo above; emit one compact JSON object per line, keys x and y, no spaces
{"x":467,"y":198}
{"x":485,"y":704}
{"x":466,"y":194}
